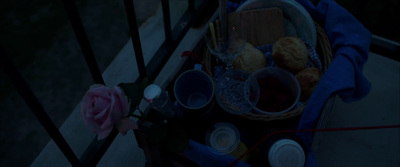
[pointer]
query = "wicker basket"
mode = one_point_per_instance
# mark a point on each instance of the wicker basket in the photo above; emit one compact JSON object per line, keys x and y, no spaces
{"x":324,"y":51}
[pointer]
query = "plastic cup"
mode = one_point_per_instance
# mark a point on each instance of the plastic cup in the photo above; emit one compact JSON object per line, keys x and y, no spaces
{"x":286,"y":78}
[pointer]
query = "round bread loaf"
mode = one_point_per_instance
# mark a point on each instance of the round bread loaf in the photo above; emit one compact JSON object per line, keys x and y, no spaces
{"x":290,"y":53}
{"x":308,"y":79}
{"x":249,"y":59}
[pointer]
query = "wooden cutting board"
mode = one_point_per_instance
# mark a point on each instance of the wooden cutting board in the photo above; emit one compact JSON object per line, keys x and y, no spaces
{"x":263,"y":26}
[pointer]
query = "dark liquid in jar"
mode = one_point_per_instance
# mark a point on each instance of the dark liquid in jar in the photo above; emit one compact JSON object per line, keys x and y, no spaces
{"x":274,"y":96}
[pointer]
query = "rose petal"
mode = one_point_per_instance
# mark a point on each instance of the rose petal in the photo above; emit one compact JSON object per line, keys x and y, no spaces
{"x":103,"y":107}
{"x":100,"y":103}
{"x":115,"y":112}
{"x":100,"y":92}
{"x":123,"y":101}
{"x":107,"y":122}
{"x":89,"y":121}
{"x":126,"y":124}
{"x":102,"y":113}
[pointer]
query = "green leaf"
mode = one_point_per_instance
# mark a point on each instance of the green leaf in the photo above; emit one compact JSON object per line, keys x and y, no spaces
{"x":178,"y":139}
{"x":157,"y":133}
{"x":134,"y":91}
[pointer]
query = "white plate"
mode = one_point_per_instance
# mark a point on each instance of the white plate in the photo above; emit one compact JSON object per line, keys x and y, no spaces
{"x":297,"y":21}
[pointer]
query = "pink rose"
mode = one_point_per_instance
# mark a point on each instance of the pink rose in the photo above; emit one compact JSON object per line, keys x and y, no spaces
{"x":103,"y":107}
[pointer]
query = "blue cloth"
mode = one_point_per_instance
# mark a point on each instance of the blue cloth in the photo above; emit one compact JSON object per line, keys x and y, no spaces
{"x":350,"y":42}
{"x":202,"y":156}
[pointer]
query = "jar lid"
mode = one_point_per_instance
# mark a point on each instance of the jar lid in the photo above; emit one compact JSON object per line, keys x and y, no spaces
{"x":223,"y":138}
{"x":286,"y":152}
{"x":152,"y":91}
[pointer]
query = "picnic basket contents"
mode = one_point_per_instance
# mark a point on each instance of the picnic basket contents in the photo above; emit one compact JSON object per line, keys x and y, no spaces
{"x":301,"y":50}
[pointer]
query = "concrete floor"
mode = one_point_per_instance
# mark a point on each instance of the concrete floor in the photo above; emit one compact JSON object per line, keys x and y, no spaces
{"x":381,"y":107}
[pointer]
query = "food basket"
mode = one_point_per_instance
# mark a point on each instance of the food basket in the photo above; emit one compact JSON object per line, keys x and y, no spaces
{"x":323,"y":48}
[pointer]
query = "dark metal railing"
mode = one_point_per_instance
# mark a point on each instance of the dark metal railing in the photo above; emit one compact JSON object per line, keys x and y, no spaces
{"x":76,"y":23}
{"x":385,"y":47}
{"x":167,"y":20}
{"x":33,"y":103}
{"x":137,"y":45}
{"x":96,"y":149}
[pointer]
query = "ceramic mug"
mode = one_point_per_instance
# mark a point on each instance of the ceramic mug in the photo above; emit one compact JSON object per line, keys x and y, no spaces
{"x":194,"y":90}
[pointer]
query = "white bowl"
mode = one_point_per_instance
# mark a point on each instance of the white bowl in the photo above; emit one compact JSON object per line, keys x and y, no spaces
{"x":297,"y":20}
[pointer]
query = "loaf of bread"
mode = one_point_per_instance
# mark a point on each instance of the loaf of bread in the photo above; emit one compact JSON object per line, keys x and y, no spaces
{"x":290,"y":53}
{"x":249,"y":59}
{"x":308,"y":79}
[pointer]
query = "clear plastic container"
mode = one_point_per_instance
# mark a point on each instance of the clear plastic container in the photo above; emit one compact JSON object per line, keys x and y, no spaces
{"x":223,"y":138}
{"x":286,"y":78}
{"x":236,"y":91}
{"x":286,"y":152}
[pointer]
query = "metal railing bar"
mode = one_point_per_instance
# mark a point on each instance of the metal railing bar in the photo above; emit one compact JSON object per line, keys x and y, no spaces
{"x":191,"y":5}
{"x":76,"y":22}
{"x":97,"y":149}
{"x":167,"y":20}
{"x":131,"y":15}
{"x":166,"y":49}
{"x":38,"y":110}
{"x":385,"y":47}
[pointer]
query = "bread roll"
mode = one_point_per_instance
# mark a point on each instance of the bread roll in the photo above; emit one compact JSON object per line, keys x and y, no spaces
{"x":290,"y":53}
{"x":308,"y":80}
{"x":249,"y":59}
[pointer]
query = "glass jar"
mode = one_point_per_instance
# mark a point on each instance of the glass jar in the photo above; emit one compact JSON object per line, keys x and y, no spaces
{"x":161,"y":102}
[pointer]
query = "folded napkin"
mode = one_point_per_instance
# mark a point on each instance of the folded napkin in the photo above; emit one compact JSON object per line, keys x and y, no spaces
{"x":203,"y":156}
{"x":350,"y":42}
